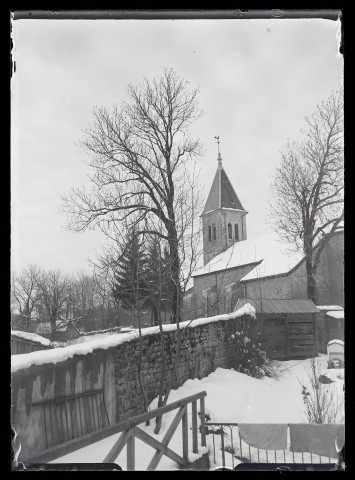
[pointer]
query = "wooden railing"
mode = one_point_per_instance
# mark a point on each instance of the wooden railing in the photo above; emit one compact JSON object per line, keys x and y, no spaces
{"x":130,"y":431}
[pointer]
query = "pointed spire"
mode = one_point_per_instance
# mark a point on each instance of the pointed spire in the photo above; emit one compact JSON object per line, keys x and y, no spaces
{"x":222,"y":194}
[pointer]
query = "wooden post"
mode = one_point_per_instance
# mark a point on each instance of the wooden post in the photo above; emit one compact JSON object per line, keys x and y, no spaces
{"x":287,"y":342}
{"x":130,"y":451}
{"x":315,"y":341}
{"x":203,"y":427}
{"x":185,"y":436}
{"x":194,"y":427}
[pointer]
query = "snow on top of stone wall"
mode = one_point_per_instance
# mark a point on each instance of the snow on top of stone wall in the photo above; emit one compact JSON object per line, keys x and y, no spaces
{"x":56,"y":355}
{"x":32,"y":337}
{"x":337,"y":314}
{"x":330,"y":308}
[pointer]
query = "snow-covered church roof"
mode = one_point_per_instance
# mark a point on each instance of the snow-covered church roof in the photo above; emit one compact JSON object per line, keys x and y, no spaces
{"x":270,"y":256}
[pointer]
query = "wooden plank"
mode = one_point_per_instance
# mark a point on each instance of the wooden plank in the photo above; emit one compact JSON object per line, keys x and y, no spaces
{"x":280,"y":322}
{"x":301,"y":351}
{"x":153,"y":442}
{"x":46,"y":426}
{"x":272,"y":333}
{"x":277,"y":340}
{"x":167,"y":437}
{"x":131,"y":451}
{"x":297,"y":317}
{"x":51,"y":412}
{"x":54,"y":428}
{"x":95,"y":409}
{"x":194,"y":428}
{"x":301,"y":328}
{"x":203,"y":420}
{"x":74,"y":418}
{"x":117,"y":447}
{"x":315,"y":334}
{"x":300,"y":337}
{"x":58,"y":424}
{"x":287,"y":337}
{"x":88,"y":420}
{"x":278,"y":353}
{"x":185,"y":436}
{"x":81,"y":422}
{"x":67,"y":426}
{"x":64,"y":423}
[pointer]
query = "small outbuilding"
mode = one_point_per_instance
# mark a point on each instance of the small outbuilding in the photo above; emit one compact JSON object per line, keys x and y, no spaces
{"x":335,"y":350}
{"x":330,"y":325}
{"x":289,"y":326}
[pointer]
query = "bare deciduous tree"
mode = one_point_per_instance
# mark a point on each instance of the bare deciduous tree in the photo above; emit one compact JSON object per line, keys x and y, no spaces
{"x":54,"y":287}
{"x":26,"y":292}
{"x":139,"y":153}
{"x":307,"y":205}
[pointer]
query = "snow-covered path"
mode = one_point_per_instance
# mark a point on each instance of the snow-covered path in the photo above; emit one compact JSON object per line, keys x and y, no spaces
{"x":231,"y":397}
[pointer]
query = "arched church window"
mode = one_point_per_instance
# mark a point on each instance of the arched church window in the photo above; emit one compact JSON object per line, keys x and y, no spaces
{"x":236,"y":232}
{"x":209,"y":233}
{"x":214,"y":232}
{"x":230,"y":231}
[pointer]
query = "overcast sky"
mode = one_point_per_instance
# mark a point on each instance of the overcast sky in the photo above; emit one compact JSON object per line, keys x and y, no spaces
{"x":258,"y":80}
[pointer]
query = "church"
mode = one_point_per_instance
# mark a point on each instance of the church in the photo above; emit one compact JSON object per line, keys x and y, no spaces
{"x":236,"y":267}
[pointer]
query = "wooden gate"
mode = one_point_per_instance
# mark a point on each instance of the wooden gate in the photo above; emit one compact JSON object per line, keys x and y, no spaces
{"x":290,"y":336}
{"x":301,"y":336}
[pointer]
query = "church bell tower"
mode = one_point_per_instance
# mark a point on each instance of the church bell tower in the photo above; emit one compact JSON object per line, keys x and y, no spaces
{"x":223,"y":218}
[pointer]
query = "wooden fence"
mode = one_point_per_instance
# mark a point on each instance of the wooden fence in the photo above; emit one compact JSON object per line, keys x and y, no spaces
{"x":129,"y":431}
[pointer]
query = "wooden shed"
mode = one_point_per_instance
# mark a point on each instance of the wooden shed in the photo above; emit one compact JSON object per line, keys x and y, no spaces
{"x":289,"y":326}
{"x":21,"y":344}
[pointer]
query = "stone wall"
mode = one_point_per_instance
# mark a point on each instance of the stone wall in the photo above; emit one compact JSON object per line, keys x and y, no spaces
{"x":203,"y":349}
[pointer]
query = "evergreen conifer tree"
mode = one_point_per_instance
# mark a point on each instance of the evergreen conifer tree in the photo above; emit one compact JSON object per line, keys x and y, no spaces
{"x":130,"y":284}
{"x":158,"y":279}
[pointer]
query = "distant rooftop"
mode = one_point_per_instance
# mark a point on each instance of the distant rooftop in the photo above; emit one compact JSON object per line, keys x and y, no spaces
{"x":270,"y":256}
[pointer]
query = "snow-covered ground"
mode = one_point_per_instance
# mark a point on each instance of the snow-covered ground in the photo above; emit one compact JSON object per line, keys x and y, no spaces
{"x":232,"y":397}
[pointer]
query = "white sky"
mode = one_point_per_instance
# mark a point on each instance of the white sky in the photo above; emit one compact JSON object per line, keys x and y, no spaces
{"x":258,"y":79}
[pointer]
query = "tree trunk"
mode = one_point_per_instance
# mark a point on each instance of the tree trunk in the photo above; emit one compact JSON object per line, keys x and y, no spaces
{"x":154,"y":316}
{"x":162,"y":399}
{"x":175,"y":278}
{"x":139,"y":366}
{"x":53,"y":325}
{"x":311,"y":279}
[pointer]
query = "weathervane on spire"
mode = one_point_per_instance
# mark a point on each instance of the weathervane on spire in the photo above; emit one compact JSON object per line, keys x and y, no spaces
{"x":219,"y":153}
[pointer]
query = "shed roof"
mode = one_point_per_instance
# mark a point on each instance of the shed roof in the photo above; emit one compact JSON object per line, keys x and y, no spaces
{"x":267,"y":305}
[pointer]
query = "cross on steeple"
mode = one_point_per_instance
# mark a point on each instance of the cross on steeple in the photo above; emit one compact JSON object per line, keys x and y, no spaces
{"x":219,"y":153}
